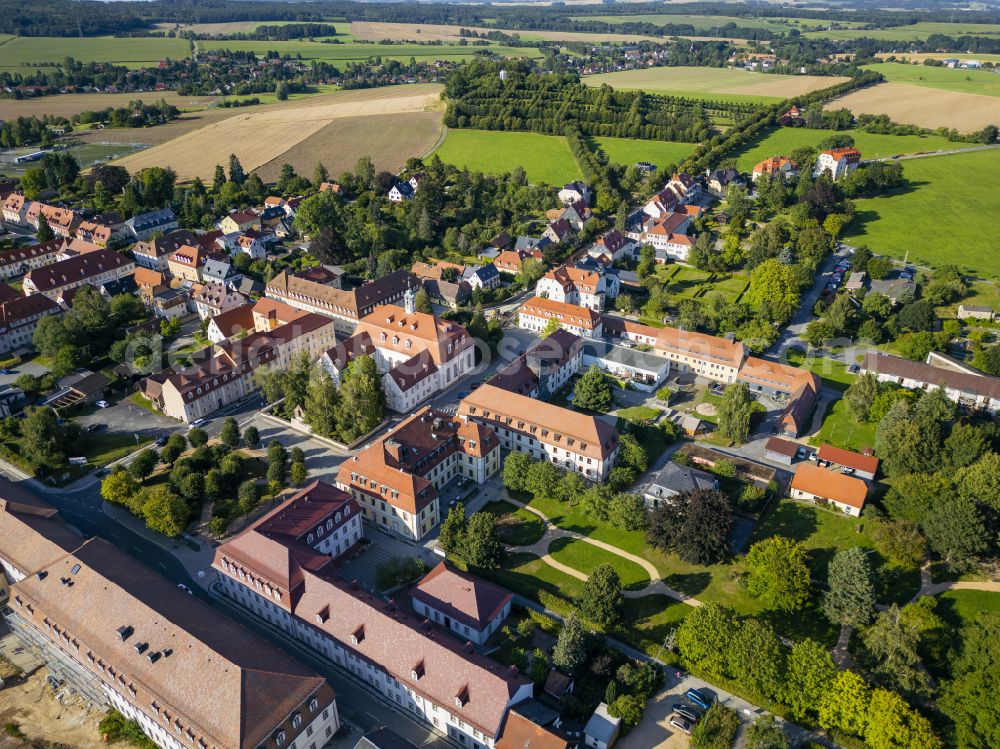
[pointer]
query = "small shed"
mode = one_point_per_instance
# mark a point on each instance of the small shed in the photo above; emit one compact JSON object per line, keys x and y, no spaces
{"x":781,"y":451}
{"x":602,"y":729}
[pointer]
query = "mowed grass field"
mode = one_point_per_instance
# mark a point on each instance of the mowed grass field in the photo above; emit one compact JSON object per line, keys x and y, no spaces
{"x":720,"y":84}
{"x":133,"y":53}
{"x":783,"y":140}
{"x":947,"y":214}
{"x":544,"y":158}
{"x":924,"y":106}
{"x":628,"y":151}
{"x":961,"y":80}
{"x":260,"y":135}
{"x":911,"y":32}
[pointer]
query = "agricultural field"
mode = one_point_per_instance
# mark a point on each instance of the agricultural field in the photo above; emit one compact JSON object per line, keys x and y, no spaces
{"x":87,"y":154}
{"x":629,"y":151}
{"x":714,"y":83}
{"x":388,"y":141}
{"x":235,"y":27}
{"x":708,"y":24}
{"x":545,"y":158}
{"x":907,"y":221}
{"x":263,"y":134}
{"x":784,"y":140}
{"x":960,"y":80}
{"x":921,"y":56}
{"x":923,"y":106}
{"x":911,"y":32}
{"x":427,"y":32}
{"x":67,"y":105}
{"x":354,"y":52}
{"x":21,"y":52}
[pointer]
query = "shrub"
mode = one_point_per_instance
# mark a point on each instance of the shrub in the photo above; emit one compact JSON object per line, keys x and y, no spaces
{"x":717,"y":729}
{"x":399,"y":571}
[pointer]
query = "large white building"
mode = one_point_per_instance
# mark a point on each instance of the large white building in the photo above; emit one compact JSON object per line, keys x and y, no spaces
{"x":584,"y":288}
{"x":537,"y":311}
{"x":123,"y":637}
{"x":837,"y":162}
{"x":973,"y":390}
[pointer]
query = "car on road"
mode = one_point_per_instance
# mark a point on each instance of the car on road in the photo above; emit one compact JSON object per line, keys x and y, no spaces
{"x":185,"y":588}
{"x":463,"y":394}
{"x":160,"y":441}
{"x":7,"y":371}
{"x":103,"y":472}
{"x":700,"y":698}
{"x":197,"y":423}
{"x":689,"y":712}
{"x":681,"y":723}
{"x":94,"y":428}
{"x":103,"y":404}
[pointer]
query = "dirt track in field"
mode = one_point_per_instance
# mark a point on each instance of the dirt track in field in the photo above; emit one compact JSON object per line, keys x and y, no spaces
{"x":260,"y":135}
{"x":923,"y":106}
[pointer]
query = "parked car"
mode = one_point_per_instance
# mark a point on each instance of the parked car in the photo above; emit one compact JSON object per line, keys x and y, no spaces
{"x":160,"y":441}
{"x":801,"y":453}
{"x":680,"y":723}
{"x":700,"y":698}
{"x":689,"y":712}
{"x":197,"y":423}
{"x":185,"y":588}
{"x":103,"y":404}
{"x":94,"y":428}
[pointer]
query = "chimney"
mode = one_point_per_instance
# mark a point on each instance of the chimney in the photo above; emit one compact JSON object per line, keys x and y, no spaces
{"x":393,"y":450}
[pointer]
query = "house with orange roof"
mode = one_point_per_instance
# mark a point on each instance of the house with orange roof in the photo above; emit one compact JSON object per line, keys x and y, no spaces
{"x":568,"y":439}
{"x":187,"y":262}
{"x":270,"y":313}
{"x":15,"y":209}
{"x":797,"y":388}
{"x":837,"y":162}
{"x":776,"y":166}
{"x":536,"y":313}
{"x":709,"y":356}
{"x":586,"y":288}
{"x":852,"y":463}
{"x":472,"y":608}
{"x":829,"y":488}
{"x":231,"y":324}
{"x":396,"y":478}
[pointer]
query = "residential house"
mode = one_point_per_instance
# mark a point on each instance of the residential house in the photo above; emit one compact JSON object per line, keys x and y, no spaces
{"x":396,"y":478}
{"x":121,"y":637}
{"x":336,"y":359}
{"x":238,"y":222}
{"x":576,"y":215}
{"x":346,"y":307}
{"x":401,"y":191}
{"x":855,"y":281}
{"x":18,"y":261}
{"x":231,"y":324}
{"x":569,"y":439}
{"x":144,"y":225}
{"x":94,"y":268}
{"x":776,"y":166}
{"x":268,"y":314}
{"x":899,"y":288}
{"x":15,"y":209}
{"x":62,"y":221}
{"x":558,"y":230}
{"x":227,"y":373}
{"x":971,"y":391}
{"x":218,"y":269}
{"x":574,"y":192}
{"x":521,"y":732}
{"x":214,"y":298}
{"x":720,"y":180}
{"x":19,"y":317}
{"x":571,"y":285}
{"x":418,"y":354}
{"x":98,"y":234}
{"x":510,"y":261}
{"x":851,"y":463}
{"x":613,"y":245}
{"x":187,"y":263}
{"x":673,"y":480}
{"x":170,"y":303}
{"x":155,"y":253}
{"x":837,"y":162}
{"x":685,"y":187}
{"x":829,"y":488}
{"x":448,"y":293}
{"x":974,"y":312}
{"x":797,"y":388}
{"x":544,"y":368}
{"x":470,"y":607}
{"x":482,"y":277}
{"x":537,"y":311}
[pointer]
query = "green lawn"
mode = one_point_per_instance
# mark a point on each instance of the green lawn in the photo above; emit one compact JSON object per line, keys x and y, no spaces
{"x":841,"y":429}
{"x":690,"y":283}
{"x":516,"y":526}
{"x":964,"y":81}
{"x":545,"y":158}
{"x":707,"y":24}
{"x":960,"y":606}
{"x":103,"y":448}
{"x":648,"y":620}
{"x":833,"y":373}
{"x":783,"y":140}
{"x":133,"y":53}
{"x":628,"y":151}
{"x":586,"y":557}
{"x":824,"y":533}
{"x":638,"y":413}
{"x":529,"y":576}
{"x":907,"y":222}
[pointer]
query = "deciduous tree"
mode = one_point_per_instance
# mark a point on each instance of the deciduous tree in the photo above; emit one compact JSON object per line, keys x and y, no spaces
{"x":601,"y":598}
{"x":778,"y":574}
{"x":696,"y":525}
{"x":593,"y":390}
{"x":572,"y":645}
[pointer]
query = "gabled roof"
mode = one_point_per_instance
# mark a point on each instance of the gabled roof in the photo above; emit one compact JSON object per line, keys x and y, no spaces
{"x":841,"y":457}
{"x":235,"y":321}
{"x":828,"y":484}
{"x":570,"y":314}
{"x":76,"y":269}
{"x":462,"y":597}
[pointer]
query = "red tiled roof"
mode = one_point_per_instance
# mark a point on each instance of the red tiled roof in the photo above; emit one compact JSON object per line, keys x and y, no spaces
{"x":832,"y":485}
{"x":464,"y":598}
{"x":841,"y":457}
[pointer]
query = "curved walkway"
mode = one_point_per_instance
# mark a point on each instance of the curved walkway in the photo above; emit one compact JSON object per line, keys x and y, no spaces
{"x":930,"y":588}
{"x":552,"y":532}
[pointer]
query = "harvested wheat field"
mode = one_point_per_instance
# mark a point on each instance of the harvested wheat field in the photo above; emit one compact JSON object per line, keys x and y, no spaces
{"x":389,"y":139}
{"x":714,"y":81}
{"x":67,"y":105}
{"x":265,"y":133}
{"x":429,"y":32}
{"x":923,"y":106}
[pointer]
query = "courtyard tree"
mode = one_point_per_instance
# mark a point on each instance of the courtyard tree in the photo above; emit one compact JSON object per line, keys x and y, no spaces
{"x":593,"y":390}
{"x":777,"y":573}
{"x":850,"y":596}
{"x":735,"y":412}
{"x":601,"y":599}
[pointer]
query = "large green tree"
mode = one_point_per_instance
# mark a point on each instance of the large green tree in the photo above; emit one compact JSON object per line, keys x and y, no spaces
{"x":704,"y":637}
{"x":735,"y":412}
{"x":695,"y":524}
{"x":362,"y":400}
{"x":601,"y":598}
{"x":809,"y":671}
{"x":778,"y":573}
{"x":970,"y":697}
{"x":773,"y":291}
{"x":572,"y":645}
{"x":593,"y":390}
{"x":850,"y":595}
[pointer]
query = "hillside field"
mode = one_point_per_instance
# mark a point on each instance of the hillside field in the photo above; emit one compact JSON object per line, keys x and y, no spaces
{"x":67,"y":105}
{"x":720,"y":84}
{"x":961,"y":80}
{"x":263,"y":134}
{"x":133,"y":53}
{"x":545,"y":158}
{"x":944,"y":215}
{"x":923,"y":106}
{"x":783,"y":140}
{"x":425,"y":32}
{"x":911,"y":32}
{"x":708,"y":24}
{"x":628,"y":151}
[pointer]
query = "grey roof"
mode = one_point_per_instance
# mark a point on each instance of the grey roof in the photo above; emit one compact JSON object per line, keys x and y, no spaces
{"x":152,"y":220}
{"x":894,"y":366}
{"x":891,"y":287}
{"x":630,"y":357}
{"x":484,"y":272}
{"x":219,"y":270}
{"x":248,"y":285}
{"x":383,"y":738}
{"x":526,"y":243}
{"x":677,"y":479}
{"x":123,"y":285}
{"x":601,"y":725}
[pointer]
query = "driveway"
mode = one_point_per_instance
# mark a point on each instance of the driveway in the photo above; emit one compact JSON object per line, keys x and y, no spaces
{"x":19,"y":369}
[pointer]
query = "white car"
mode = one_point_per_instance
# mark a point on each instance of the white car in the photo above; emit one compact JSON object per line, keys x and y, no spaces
{"x":185,"y":588}
{"x":197,"y":423}
{"x":103,"y":404}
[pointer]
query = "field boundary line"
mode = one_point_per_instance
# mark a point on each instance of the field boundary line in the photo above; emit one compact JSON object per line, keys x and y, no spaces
{"x":437,"y":144}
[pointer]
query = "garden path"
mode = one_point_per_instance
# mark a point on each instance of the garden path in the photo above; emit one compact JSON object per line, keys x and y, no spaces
{"x":552,"y":532}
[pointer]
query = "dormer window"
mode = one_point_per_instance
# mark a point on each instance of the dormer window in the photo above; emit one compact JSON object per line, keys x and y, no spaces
{"x":309,"y":538}
{"x":279,"y":739}
{"x":296,"y":720}
{"x":313,"y":704}
{"x":418,"y":670}
{"x":358,"y":635}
